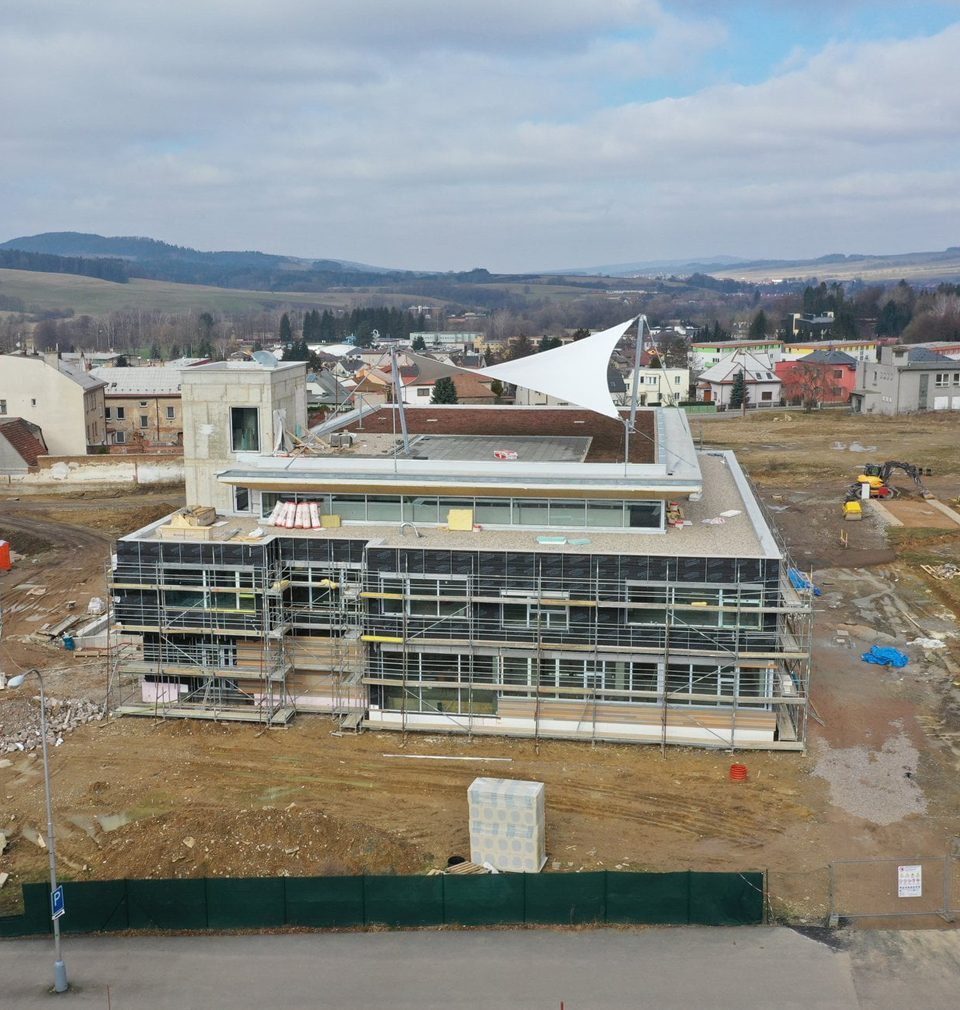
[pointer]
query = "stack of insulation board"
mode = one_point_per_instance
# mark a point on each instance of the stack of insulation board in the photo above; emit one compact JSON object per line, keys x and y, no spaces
{"x":507,"y":824}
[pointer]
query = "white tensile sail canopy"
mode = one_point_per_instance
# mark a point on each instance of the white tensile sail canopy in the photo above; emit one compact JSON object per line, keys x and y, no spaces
{"x":576,"y":372}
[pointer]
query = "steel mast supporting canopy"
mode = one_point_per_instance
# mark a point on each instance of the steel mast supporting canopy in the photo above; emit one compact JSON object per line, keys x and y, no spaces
{"x":576,"y":372}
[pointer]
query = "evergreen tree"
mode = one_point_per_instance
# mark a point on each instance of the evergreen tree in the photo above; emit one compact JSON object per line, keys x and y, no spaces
{"x":155,"y":354}
{"x":580,"y":333}
{"x":739,"y":394}
{"x":205,"y":325}
{"x":758,"y":326}
{"x":521,"y":347}
{"x":719,"y":334}
{"x":286,"y":331}
{"x":174,"y":351}
{"x":444,"y":391}
{"x":296,"y":351}
{"x":548,"y":343}
{"x":419,"y":344}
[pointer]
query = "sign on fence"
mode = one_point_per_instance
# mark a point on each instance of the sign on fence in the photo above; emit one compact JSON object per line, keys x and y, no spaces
{"x":878,"y":888}
{"x":910,"y":881}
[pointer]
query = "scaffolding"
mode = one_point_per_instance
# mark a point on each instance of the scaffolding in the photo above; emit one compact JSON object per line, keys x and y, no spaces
{"x":198,"y":638}
{"x":668,"y":650}
{"x":722,"y":664}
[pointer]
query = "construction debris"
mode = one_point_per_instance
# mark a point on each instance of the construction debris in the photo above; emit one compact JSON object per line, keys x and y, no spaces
{"x":942,"y":573}
{"x":928,"y":643}
{"x":466,"y":868}
{"x":20,"y":730}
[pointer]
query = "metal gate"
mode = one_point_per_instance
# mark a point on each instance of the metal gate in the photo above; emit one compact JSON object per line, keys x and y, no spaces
{"x":878,"y":888}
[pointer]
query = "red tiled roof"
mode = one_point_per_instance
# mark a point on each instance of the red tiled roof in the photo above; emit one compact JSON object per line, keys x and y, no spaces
{"x":25,"y":444}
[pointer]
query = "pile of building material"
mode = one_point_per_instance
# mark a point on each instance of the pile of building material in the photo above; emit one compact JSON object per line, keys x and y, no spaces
{"x":302,"y":515}
{"x":20,"y":728}
{"x":199,"y":523}
{"x":507,"y":824}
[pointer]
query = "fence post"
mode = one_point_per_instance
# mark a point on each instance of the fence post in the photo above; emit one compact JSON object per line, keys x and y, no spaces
{"x":834,"y":919}
{"x":947,"y":873}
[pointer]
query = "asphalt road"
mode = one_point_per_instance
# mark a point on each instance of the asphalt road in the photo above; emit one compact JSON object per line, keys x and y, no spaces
{"x":665,"y":969}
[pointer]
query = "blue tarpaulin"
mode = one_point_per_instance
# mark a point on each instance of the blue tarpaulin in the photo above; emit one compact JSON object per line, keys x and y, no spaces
{"x":885,"y":657}
{"x":799,"y":581}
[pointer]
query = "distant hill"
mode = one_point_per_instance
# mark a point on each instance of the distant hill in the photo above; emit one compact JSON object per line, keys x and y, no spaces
{"x":154,"y":260}
{"x":918,"y":266}
{"x":655,"y":267}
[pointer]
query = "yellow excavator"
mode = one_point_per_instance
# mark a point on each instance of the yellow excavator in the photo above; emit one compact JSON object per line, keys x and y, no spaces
{"x":876,"y":476}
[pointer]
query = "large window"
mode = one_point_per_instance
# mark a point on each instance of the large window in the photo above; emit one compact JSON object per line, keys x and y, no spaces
{"x":209,"y":590}
{"x":424,"y":596}
{"x":696,"y":606}
{"x":530,"y":513}
{"x":518,"y":611}
{"x":244,"y":429}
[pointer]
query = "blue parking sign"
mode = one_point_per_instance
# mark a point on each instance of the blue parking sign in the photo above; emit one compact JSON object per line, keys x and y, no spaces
{"x":56,"y":902}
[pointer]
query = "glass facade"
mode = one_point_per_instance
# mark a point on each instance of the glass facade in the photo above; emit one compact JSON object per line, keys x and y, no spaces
{"x":529,"y":513}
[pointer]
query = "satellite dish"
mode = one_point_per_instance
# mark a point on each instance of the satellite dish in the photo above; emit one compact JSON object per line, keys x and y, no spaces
{"x":265,"y":358}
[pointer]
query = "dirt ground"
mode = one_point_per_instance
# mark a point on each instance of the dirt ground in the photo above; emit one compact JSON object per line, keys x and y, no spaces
{"x":881,"y":776}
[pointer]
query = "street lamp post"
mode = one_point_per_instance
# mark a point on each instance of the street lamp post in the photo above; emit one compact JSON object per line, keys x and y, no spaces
{"x":59,"y":968}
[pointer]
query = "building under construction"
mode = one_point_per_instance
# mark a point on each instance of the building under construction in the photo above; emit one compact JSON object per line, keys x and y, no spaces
{"x":497,"y":570}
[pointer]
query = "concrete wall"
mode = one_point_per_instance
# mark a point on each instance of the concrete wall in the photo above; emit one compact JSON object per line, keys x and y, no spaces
{"x":208,"y":393}
{"x":73,"y":473}
{"x":39,"y":393}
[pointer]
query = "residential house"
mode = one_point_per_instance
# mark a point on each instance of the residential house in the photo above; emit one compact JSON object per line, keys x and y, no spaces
{"x":704,"y":354}
{"x":859,"y":350}
{"x":820,"y":377}
{"x":658,"y":386}
{"x":808,"y":325}
{"x":907,"y":379}
{"x":616,"y":383}
{"x":715,"y":385}
{"x":21,"y":446}
{"x":143,"y":408}
{"x":467,"y":341}
{"x":948,"y":348}
{"x":66,"y":402}
{"x":324,"y":392}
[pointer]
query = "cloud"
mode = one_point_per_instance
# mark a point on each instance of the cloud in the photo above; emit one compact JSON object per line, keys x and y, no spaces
{"x":438,"y":135}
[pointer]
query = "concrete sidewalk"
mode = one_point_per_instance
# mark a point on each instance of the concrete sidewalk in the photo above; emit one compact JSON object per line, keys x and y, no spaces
{"x":665,"y":969}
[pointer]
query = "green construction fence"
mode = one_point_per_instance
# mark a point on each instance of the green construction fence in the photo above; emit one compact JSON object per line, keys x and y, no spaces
{"x":229,"y":903}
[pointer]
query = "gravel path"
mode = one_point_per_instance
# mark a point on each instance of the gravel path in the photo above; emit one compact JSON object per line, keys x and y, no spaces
{"x":877,"y":785}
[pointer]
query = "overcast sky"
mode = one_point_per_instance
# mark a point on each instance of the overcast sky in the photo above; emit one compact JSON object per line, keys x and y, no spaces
{"x":510,"y":134}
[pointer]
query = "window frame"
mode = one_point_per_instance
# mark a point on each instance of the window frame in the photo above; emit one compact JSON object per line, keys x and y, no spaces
{"x":238,"y":433}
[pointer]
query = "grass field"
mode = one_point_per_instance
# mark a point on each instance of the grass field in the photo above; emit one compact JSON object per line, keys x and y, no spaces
{"x":867,"y":269}
{"x":87,"y":295}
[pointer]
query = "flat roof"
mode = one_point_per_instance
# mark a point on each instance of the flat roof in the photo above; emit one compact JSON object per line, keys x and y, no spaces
{"x":669,"y":466}
{"x":606,"y":433}
{"x":242,"y":366}
{"x":539,"y":448}
{"x":744,"y":535}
